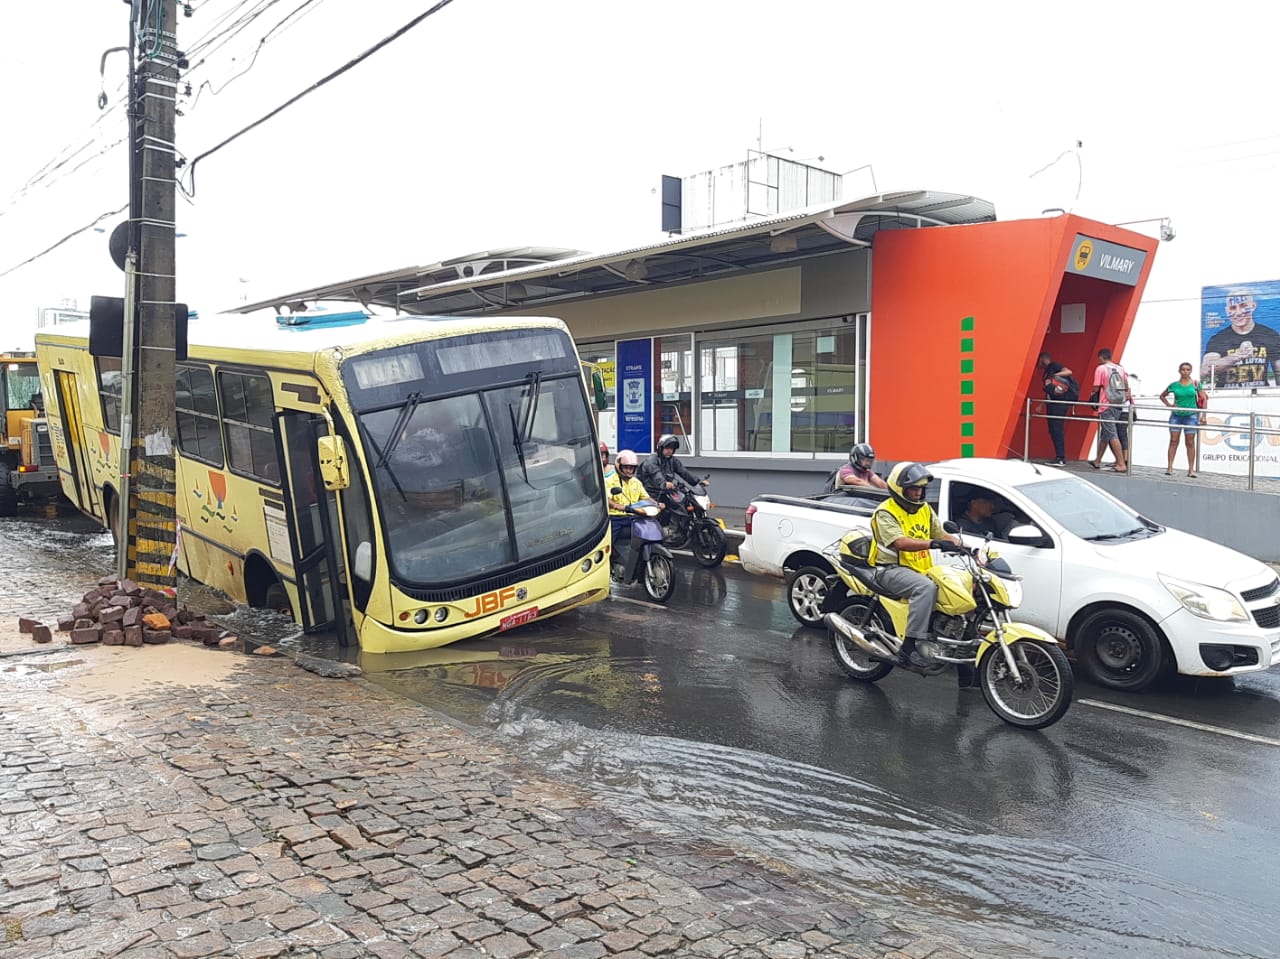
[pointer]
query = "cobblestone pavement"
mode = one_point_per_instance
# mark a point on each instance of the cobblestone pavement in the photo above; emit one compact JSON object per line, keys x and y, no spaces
{"x":278,"y":813}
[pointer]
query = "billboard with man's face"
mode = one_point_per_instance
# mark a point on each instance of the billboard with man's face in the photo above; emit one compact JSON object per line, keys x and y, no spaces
{"x":1240,"y":335}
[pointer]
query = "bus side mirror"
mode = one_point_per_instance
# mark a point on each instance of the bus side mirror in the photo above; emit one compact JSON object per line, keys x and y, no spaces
{"x":333,"y":462}
{"x":597,"y":387}
{"x":363,"y":566}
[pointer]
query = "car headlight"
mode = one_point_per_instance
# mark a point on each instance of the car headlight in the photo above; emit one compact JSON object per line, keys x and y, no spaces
{"x":1206,"y":602}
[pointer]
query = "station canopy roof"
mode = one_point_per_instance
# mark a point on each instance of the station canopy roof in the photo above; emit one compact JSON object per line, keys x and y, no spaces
{"x":536,"y":278}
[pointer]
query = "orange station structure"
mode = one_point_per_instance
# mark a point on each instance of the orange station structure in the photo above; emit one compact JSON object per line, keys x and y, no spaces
{"x":962,"y":314}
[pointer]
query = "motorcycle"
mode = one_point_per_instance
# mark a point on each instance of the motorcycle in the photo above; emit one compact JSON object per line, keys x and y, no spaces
{"x":686,"y":523}
{"x":646,"y":559}
{"x":1022,"y":672}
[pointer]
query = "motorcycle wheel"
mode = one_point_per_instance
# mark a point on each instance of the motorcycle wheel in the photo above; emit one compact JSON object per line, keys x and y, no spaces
{"x":1040,"y":698}
{"x":659,"y":577}
{"x":856,"y":663}
{"x":708,"y":543}
{"x":675,"y":529}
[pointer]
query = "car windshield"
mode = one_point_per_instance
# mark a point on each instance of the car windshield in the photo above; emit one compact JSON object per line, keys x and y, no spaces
{"x":1081,"y":508}
{"x":471,"y":484}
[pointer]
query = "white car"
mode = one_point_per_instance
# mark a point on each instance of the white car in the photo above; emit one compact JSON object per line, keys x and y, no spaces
{"x":1129,"y":597}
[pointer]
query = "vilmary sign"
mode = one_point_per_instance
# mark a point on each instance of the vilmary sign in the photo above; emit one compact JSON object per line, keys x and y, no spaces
{"x":1106,"y":261}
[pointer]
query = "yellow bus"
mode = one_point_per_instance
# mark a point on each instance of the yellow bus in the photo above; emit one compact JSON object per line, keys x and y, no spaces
{"x":414,"y":480}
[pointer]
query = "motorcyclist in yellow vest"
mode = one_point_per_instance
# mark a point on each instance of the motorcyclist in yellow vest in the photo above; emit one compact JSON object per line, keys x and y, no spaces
{"x":904,"y":529}
{"x":629,"y":491}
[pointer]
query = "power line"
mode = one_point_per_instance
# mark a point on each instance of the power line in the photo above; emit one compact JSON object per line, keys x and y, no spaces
{"x":52,"y":171}
{"x":315,"y":86}
{"x":70,"y":236}
{"x":436,"y":8}
{"x":62,"y":158}
{"x":290,"y":19}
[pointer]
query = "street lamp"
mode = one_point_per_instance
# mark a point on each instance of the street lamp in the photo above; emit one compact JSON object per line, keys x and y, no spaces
{"x":1167,"y":231}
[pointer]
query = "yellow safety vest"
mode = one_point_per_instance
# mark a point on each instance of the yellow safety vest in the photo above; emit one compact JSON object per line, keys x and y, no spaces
{"x":917,"y":525}
{"x":633,"y":491}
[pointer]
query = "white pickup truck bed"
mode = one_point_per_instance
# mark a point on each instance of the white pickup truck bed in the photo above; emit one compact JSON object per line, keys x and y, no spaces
{"x":789,"y":532}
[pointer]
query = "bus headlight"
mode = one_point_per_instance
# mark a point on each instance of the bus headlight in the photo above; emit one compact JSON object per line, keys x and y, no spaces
{"x":599,"y":557}
{"x":420,"y":617}
{"x":585,"y":565}
{"x":442,"y":614}
{"x":1206,"y":601}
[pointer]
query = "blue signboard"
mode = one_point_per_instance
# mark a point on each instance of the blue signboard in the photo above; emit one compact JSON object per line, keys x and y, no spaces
{"x":635,"y":395}
{"x":1240,"y":335}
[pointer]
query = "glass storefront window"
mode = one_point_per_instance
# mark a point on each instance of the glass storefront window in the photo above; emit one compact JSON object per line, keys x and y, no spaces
{"x":784,"y":392}
{"x":673,"y":390}
{"x":798,"y":390}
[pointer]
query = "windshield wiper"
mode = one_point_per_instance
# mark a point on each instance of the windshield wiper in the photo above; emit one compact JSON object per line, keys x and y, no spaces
{"x":1105,"y":536}
{"x":368,"y":435}
{"x":529,"y":405}
{"x":522,"y":426}
{"x":397,"y":428}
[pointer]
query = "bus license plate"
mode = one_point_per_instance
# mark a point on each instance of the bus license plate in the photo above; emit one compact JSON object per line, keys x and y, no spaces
{"x":518,"y":619}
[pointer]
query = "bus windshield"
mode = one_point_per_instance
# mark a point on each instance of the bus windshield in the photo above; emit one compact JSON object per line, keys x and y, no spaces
{"x":480,"y":481}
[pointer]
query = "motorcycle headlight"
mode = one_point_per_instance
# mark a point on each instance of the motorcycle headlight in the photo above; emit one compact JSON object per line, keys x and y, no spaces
{"x":1207,"y":602}
{"x":1013,"y":589}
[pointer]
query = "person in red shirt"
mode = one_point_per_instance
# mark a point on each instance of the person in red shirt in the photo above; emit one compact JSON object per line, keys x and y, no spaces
{"x":859,"y":472}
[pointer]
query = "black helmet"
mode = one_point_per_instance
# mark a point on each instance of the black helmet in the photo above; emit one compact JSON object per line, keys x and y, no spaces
{"x":861,"y":451}
{"x":908,"y":474}
{"x":665,"y":440}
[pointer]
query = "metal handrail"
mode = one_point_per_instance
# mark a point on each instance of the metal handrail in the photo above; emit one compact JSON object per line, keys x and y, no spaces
{"x":1133,"y":420}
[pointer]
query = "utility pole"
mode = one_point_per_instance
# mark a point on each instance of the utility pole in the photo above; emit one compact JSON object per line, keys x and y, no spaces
{"x":148,"y":425}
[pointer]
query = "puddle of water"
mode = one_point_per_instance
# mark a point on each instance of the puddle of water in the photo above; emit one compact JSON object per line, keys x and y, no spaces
{"x":1050,"y":898}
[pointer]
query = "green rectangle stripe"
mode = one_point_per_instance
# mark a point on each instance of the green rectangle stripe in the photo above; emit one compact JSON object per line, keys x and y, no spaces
{"x":968,"y":342}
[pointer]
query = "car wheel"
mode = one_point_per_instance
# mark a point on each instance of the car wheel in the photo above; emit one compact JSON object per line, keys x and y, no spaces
{"x":1119,"y":649}
{"x":806,"y":594}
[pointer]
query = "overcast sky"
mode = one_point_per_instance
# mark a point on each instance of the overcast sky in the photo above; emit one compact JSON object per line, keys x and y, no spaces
{"x":513,"y":122}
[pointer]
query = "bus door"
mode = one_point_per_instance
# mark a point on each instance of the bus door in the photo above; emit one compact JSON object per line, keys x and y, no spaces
{"x":73,"y":439}
{"x":313,"y":527}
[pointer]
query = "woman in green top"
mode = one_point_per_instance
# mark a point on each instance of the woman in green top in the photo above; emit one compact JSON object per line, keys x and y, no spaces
{"x":1187,"y":400}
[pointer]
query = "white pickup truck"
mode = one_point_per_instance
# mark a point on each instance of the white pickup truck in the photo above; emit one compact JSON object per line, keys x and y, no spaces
{"x":1129,"y":597}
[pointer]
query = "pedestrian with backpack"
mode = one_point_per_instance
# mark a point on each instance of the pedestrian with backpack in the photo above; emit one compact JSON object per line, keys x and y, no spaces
{"x":1111,"y":393}
{"x":1060,"y":390}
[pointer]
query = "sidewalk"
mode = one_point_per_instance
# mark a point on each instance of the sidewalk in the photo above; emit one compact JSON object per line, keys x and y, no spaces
{"x":178,"y":801}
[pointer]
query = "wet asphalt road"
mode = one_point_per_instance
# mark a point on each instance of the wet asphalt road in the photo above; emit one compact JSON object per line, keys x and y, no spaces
{"x":1140,"y":830}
